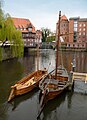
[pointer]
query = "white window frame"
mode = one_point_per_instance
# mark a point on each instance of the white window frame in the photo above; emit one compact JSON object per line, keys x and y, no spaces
{"x":83,"y":29}
{"x":80,"y":29}
{"x":80,"y":33}
{"x":84,"y":25}
{"x":80,"y":25}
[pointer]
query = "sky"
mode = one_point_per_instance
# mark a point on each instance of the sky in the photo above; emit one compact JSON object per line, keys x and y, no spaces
{"x":44,"y":13}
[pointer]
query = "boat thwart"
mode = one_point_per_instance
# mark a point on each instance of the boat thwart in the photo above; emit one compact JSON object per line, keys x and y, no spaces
{"x":27,"y":83}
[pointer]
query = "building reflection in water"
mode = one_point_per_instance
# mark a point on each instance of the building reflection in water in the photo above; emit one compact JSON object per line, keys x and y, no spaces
{"x":13,"y":70}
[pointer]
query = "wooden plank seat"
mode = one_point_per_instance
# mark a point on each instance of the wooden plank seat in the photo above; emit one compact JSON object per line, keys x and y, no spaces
{"x":28,"y":83}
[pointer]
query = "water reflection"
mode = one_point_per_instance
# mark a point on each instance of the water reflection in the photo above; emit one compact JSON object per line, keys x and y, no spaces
{"x":18,"y":100}
{"x":51,"y":110}
{"x":10,"y":71}
{"x":3,"y":111}
{"x":80,"y":57}
{"x":68,"y":106}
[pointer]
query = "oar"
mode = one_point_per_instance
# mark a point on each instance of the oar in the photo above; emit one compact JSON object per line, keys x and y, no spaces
{"x":40,"y":111}
{"x":42,"y":104}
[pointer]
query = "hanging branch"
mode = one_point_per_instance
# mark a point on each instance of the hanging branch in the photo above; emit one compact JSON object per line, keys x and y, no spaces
{"x":9,"y":33}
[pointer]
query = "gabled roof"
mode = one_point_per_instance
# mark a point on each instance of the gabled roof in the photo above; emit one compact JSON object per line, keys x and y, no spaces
{"x":22,"y":23}
{"x":64,"y":17}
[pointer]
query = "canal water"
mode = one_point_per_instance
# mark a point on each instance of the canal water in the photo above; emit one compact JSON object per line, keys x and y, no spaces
{"x":68,"y":106}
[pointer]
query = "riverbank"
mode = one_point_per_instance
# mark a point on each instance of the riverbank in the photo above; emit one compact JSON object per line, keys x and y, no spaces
{"x":6,"y":53}
{"x":74,"y":49}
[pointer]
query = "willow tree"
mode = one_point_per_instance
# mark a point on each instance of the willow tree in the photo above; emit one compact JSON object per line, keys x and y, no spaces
{"x":8,"y":33}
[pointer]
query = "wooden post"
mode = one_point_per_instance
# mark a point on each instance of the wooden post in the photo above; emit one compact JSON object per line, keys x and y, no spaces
{"x":86,"y":79}
{"x":57,"y":44}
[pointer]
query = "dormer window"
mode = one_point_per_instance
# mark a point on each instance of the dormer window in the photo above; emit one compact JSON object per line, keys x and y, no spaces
{"x":30,"y":29}
{"x":24,"y":28}
{"x":20,"y":28}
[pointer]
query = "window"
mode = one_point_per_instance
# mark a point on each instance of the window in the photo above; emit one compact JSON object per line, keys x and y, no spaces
{"x":27,"y":35}
{"x":80,"y":25}
{"x":75,"y":29}
{"x":83,"y":29}
{"x":80,"y":33}
{"x":75,"y":25}
{"x":80,"y":29}
{"x":84,"y":25}
{"x":24,"y":39}
{"x":30,"y":29}
{"x":69,"y":45}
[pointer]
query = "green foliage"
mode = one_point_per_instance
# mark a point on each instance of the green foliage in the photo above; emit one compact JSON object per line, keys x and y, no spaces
{"x":17,"y":47}
{"x":50,"y":38}
{"x":45,"y":33}
{"x":9,"y":33}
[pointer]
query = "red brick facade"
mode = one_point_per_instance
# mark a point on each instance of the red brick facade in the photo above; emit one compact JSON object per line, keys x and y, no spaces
{"x":75,"y":31}
{"x":64,"y":28}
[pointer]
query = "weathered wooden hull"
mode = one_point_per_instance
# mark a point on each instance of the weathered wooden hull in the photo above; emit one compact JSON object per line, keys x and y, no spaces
{"x":26,"y":89}
{"x":49,"y":96}
{"x":51,"y":87}
{"x":27,"y":84}
{"x":52,"y":95}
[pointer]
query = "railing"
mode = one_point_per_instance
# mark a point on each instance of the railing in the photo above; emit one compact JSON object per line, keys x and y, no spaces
{"x":79,"y":76}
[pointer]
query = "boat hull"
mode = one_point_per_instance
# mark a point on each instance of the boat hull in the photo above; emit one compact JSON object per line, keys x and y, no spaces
{"x":52,"y":95}
{"x":26,"y":89}
{"x":27,"y":84}
{"x":51,"y":87}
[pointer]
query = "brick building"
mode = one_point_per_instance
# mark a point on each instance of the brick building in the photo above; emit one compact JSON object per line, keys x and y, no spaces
{"x":82,"y":29}
{"x":64,"y":28}
{"x":27,"y":29}
{"x":75,"y":30}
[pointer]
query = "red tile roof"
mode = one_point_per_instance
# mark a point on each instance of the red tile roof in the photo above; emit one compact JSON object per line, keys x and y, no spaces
{"x":22,"y":23}
{"x":64,"y":17}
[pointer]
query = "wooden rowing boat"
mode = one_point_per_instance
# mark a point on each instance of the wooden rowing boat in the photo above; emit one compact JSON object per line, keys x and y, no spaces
{"x":27,"y":84}
{"x":51,"y":87}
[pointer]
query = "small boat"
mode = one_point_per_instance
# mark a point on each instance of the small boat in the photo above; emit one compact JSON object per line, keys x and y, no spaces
{"x":55,"y":82}
{"x":27,"y":83}
{"x":51,"y":87}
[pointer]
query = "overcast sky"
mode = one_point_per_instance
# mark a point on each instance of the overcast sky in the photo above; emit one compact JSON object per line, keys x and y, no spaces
{"x":44,"y":13}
